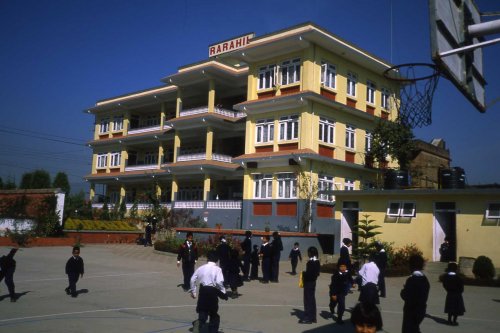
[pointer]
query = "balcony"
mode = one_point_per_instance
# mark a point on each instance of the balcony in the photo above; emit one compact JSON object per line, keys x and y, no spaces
{"x":140,"y":166}
{"x":203,"y":156}
{"x":142,"y":130}
{"x":204,"y":109}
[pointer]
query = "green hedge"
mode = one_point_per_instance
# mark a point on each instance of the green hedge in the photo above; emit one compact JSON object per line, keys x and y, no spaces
{"x":76,"y":224}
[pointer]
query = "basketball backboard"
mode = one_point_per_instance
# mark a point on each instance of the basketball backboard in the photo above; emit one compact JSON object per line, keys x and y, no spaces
{"x":449,"y":22}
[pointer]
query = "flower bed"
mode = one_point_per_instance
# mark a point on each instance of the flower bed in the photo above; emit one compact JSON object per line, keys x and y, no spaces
{"x":76,"y":224}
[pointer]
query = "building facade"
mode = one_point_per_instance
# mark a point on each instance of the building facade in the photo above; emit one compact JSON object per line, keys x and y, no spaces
{"x":247,"y":138}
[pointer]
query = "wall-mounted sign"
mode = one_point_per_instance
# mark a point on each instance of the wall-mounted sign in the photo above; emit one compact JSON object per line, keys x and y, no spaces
{"x":229,"y":45}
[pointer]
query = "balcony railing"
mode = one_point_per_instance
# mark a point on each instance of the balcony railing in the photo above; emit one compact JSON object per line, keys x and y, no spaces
{"x":139,"y":167}
{"x":221,"y":158}
{"x":204,"y":109}
{"x":203,"y":156}
{"x":212,"y":204}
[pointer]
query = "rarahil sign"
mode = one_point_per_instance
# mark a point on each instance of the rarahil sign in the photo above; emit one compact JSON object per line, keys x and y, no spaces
{"x":229,"y":45}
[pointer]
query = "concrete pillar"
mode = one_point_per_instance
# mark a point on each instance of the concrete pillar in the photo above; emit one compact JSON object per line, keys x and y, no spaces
{"x":211,"y":95}
{"x":209,"y":143}
{"x":206,"y":187}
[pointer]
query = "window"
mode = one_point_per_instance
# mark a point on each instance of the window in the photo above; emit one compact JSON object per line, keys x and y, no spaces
{"x":115,"y":159}
{"x":401,"y":209}
{"x":349,"y":184}
{"x":117,"y":123}
{"x":265,"y":130}
{"x":326,"y":130}
{"x":289,"y":127}
{"x":287,"y":185}
{"x":151,"y":121}
{"x":368,"y":141}
{"x":150,"y":158}
{"x":267,"y":76}
{"x":263,"y":185}
{"x":325,"y":183}
{"x":370,"y":92}
{"x":349,"y":136}
{"x":104,"y":126}
{"x":328,"y":75}
{"x":290,"y":71}
{"x":385,"y":99}
{"x":352,"y":79}
{"x":493,"y":211}
{"x":102,"y":160}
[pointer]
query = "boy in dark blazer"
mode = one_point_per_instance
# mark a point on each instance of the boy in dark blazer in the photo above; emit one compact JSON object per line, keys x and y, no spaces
{"x":74,"y":270}
{"x":188,"y":254}
{"x":339,"y":287}
{"x":415,"y":293}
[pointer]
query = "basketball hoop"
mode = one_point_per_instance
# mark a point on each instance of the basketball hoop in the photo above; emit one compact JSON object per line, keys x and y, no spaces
{"x":417,"y":82}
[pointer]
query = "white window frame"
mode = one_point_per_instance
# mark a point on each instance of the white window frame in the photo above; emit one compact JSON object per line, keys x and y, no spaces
{"x":326,"y":130}
{"x":352,"y":80}
{"x":350,"y":136}
{"x":402,"y":208}
{"x":289,"y":128}
{"x":115,"y":159}
{"x":325,"y":183}
{"x":349,"y":184}
{"x":290,"y":71}
{"x":385,"y":98}
{"x":264,"y":131}
{"x":493,"y":213}
{"x":117,"y":123}
{"x":287,"y":185}
{"x":102,"y":161}
{"x":370,"y":92}
{"x":328,"y":75}
{"x":267,"y":77}
{"x":104,"y":126}
{"x":368,"y":141}
{"x":263,"y":186}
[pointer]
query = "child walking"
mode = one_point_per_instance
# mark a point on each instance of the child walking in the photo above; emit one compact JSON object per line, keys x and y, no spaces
{"x":74,"y":269}
{"x":294,"y":257}
{"x":454,"y":286}
{"x":254,"y":271}
{"x":339,"y":287}
{"x":309,"y":277}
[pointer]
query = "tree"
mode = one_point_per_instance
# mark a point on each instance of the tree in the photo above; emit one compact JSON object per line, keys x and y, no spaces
{"x":61,"y":181}
{"x":395,"y":140}
{"x":10,"y":185}
{"x":35,"y":180}
{"x":365,"y":231}
{"x":1,"y":183}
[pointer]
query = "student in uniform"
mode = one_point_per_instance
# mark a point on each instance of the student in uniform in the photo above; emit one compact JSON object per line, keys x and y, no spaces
{"x":74,"y":269}
{"x":233,"y":268}
{"x":211,"y":281}
{"x":454,"y":286}
{"x":276,"y":248}
{"x":340,"y":284}
{"x":7,"y":269}
{"x":246,"y":247}
{"x":294,"y":257}
{"x":254,"y":274}
{"x":368,"y":279}
{"x":223,"y":251}
{"x":265,"y":254}
{"x":381,"y":261}
{"x":415,"y":294}
{"x":188,"y":254}
{"x":309,"y":277}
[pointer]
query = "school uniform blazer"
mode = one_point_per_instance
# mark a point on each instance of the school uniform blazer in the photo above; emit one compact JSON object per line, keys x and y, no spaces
{"x":312,"y":271}
{"x":74,"y":265}
{"x":339,"y":284}
{"x":187,"y":254}
{"x":415,"y":294}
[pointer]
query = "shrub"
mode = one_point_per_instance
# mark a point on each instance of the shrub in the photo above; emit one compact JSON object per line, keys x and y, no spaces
{"x":20,"y":237}
{"x":399,"y":261}
{"x":76,"y":224}
{"x":483,"y":268}
{"x":171,"y":244}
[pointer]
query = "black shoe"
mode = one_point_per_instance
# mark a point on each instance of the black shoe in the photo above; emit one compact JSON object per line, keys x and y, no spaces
{"x":74,"y":295}
{"x":454,"y":323}
{"x":13,"y":299}
{"x":340,"y":322}
{"x":305,"y":321}
{"x":67,"y":291}
{"x":263,"y":281}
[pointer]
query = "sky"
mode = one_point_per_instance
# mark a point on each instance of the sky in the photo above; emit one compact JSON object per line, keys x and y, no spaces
{"x":59,"y":58}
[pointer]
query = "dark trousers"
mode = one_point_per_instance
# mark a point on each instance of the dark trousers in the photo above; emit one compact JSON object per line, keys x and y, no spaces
{"x":341,"y":306}
{"x":246,"y":266}
{"x":381,"y":283}
{"x":266,"y":269}
{"x":275,"y":267}
{"x":254,"y":274}
{"x":294,"y":266}
{"x":72,"y":279}
{"x":310,"y":301}
{"x":411,"y":322}
{"x":9,"y":281}
{"x":213,"y":324}
{"x":187,"y":271}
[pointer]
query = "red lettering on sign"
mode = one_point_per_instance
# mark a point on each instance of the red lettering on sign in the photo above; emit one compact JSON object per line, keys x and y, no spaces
{"x":212,"y":51}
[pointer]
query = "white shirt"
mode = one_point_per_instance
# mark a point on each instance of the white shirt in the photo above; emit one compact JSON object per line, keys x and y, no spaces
{"x":208,"y":275}
{"x":369,"y":273}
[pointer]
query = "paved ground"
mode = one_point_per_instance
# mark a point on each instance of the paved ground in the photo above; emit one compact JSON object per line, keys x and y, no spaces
{"x":129,"y":288}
